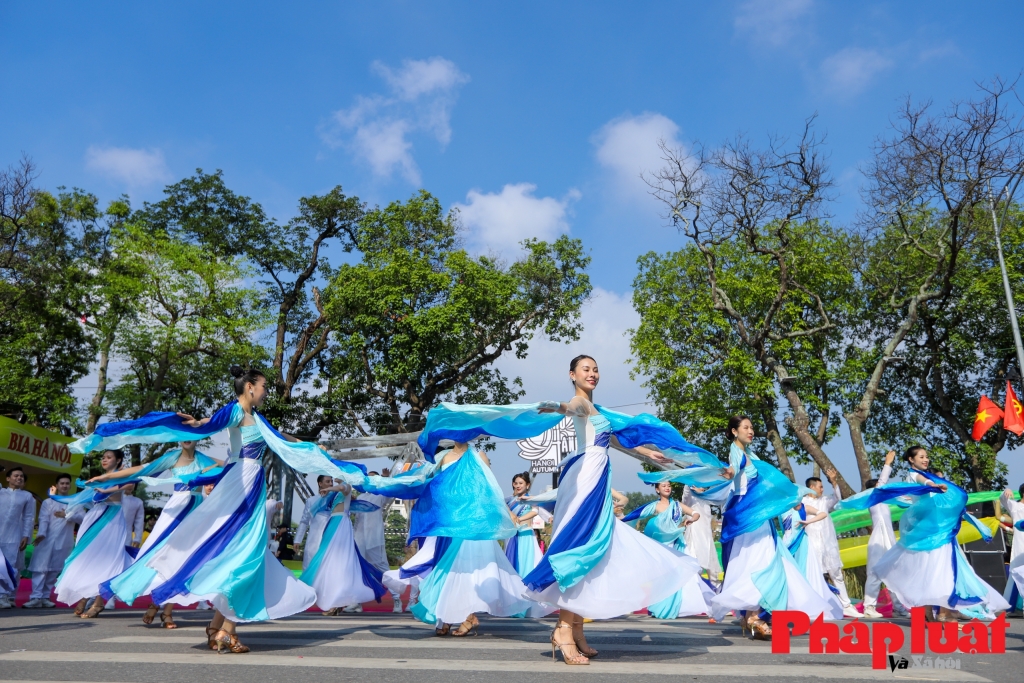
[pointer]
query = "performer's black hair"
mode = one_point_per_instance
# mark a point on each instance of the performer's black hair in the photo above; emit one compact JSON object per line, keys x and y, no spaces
{"x":244,"y":376}
{"x":810,"y":480}
{"x":911,"y":452}
{"x":734,"y":423}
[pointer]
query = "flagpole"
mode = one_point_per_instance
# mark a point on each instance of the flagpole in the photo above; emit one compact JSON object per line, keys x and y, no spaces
{"x":1011,"y":308}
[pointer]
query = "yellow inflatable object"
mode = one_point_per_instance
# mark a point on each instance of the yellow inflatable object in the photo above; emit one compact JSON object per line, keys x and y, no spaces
{"x":854,"y":551}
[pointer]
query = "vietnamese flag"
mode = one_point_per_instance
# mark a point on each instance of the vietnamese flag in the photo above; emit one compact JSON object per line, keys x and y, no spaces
{"x":988,"y":414}
{"x":1012,"y":419}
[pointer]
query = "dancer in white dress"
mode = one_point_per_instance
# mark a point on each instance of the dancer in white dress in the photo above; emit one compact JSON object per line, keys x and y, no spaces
{"x":926,"y":566}
{"x":1015,"y":585}
{"x":666,"y":521}
{"x":219,"y":552}
{"x":369,"y":534}
{"x":760,"y":574}
{"x":522,"y":550}
{"x":882,"y":538}
{"x":700,"y":537}
{"x":311,"y":524}
{"x":182,"y":465}
{"x":614,"y":570}
{"x":795,"y":523}
{"x":823,"y":537}
{"x":17,"y":514}
{"x":460,"y":567}
{"x":99,"y":553}
{"x":55,"y":539}
{"x":338,"y":572}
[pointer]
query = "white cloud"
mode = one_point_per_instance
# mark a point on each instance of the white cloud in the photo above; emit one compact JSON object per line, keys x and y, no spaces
{"x":545,"y":371}
{"x":850,"y":71}
{"x":629,"y":145}
{"x":498,"y":222}
{"x":376,"y":129}
{"x":421,"y":77}
{"x":133,"y":167}
{"x":771,"y":22}
{"x":545,"y":375}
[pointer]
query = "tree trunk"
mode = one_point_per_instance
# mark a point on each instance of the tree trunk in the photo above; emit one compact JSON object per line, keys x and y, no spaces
{"x":95,"y":407}
{"x":780,"y":448}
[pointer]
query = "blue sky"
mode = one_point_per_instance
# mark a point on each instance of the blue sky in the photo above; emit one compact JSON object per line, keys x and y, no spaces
{"x":534,"y":118}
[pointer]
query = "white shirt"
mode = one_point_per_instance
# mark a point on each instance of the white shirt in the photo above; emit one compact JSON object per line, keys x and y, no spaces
{"x":306,"y":519}
{"x":369,"y":526}
{"x":58,"y":534}
{"x":271,"y":511}
{"x":822,"y":534}
{"x":17,"y":513}
{"x":882,"y":538}
{"x":134,"y":517}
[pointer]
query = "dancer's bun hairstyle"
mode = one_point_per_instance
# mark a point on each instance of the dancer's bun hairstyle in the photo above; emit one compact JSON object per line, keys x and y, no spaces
{"x":911,"y":452}
{"x":525,"y":476}
{"x":244,"y":376}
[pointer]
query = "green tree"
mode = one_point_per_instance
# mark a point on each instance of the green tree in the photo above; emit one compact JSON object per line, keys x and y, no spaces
{"x":767,"y":285}
{"x":419,"y":321}
{"x":195,"y":317}
{"x":43,"y":347}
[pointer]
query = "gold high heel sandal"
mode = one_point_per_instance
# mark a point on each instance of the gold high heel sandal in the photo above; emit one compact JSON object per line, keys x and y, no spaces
{"x":464,"y":630}
{"x":166,"y":621}
{"x":759,"y":629}
{"x":229,"y":643}
{"x":210,"y":632}
{"x":80,"y":607}
{"x":569,"y":658}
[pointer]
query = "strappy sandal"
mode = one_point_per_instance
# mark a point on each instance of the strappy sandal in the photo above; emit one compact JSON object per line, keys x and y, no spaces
{"x":166,"y":621}
{"x":443,"y":630}
{"x":582,"y":645}
{"x":80,"y":607}
{"x":569,"y":657}
{"x":469,"y":630}
{"x":150,"y":614}
{"x":760,"y":629}
{"x":229,"y":643}
{"x":210,"y":632}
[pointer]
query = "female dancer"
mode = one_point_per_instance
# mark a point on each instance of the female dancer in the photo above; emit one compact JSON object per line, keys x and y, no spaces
{"x":798,"y":543}
{"x":594,"y":567}
{"x":756,"y":564}
{"x":182,"y":463}
{"x":522,"y":550}
{"x":882,"y":538}
{"x":460,"y":515}
{"x":338,"y":572}
{"x":219,"y":552}
{"x":926,"y":565}
{"x":666,"y":525}
{"x":99,"y":552}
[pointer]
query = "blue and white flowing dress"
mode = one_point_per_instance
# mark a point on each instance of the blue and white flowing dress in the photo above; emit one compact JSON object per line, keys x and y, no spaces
{"x":219,"y":551}
{"x":927,"y":566}
{"x":138,"y":579}
{"x":522,"y":550}
{"x":338,"y":572}
{"x":665,"y":528}
{"x":99,"y":553}
{"x":760,"y":574}
{"x":460,"y":567}
{"x":596,"y":566}
{"x":807,"y":560}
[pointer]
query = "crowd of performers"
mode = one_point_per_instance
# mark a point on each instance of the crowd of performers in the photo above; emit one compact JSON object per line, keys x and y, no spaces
{"x":210,"y":542}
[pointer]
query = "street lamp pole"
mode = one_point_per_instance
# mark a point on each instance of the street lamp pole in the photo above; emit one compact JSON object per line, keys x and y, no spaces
{"x":1011,"y":308}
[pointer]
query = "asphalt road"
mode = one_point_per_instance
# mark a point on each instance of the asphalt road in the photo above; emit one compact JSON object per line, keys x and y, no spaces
{"x":51,"y":645}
